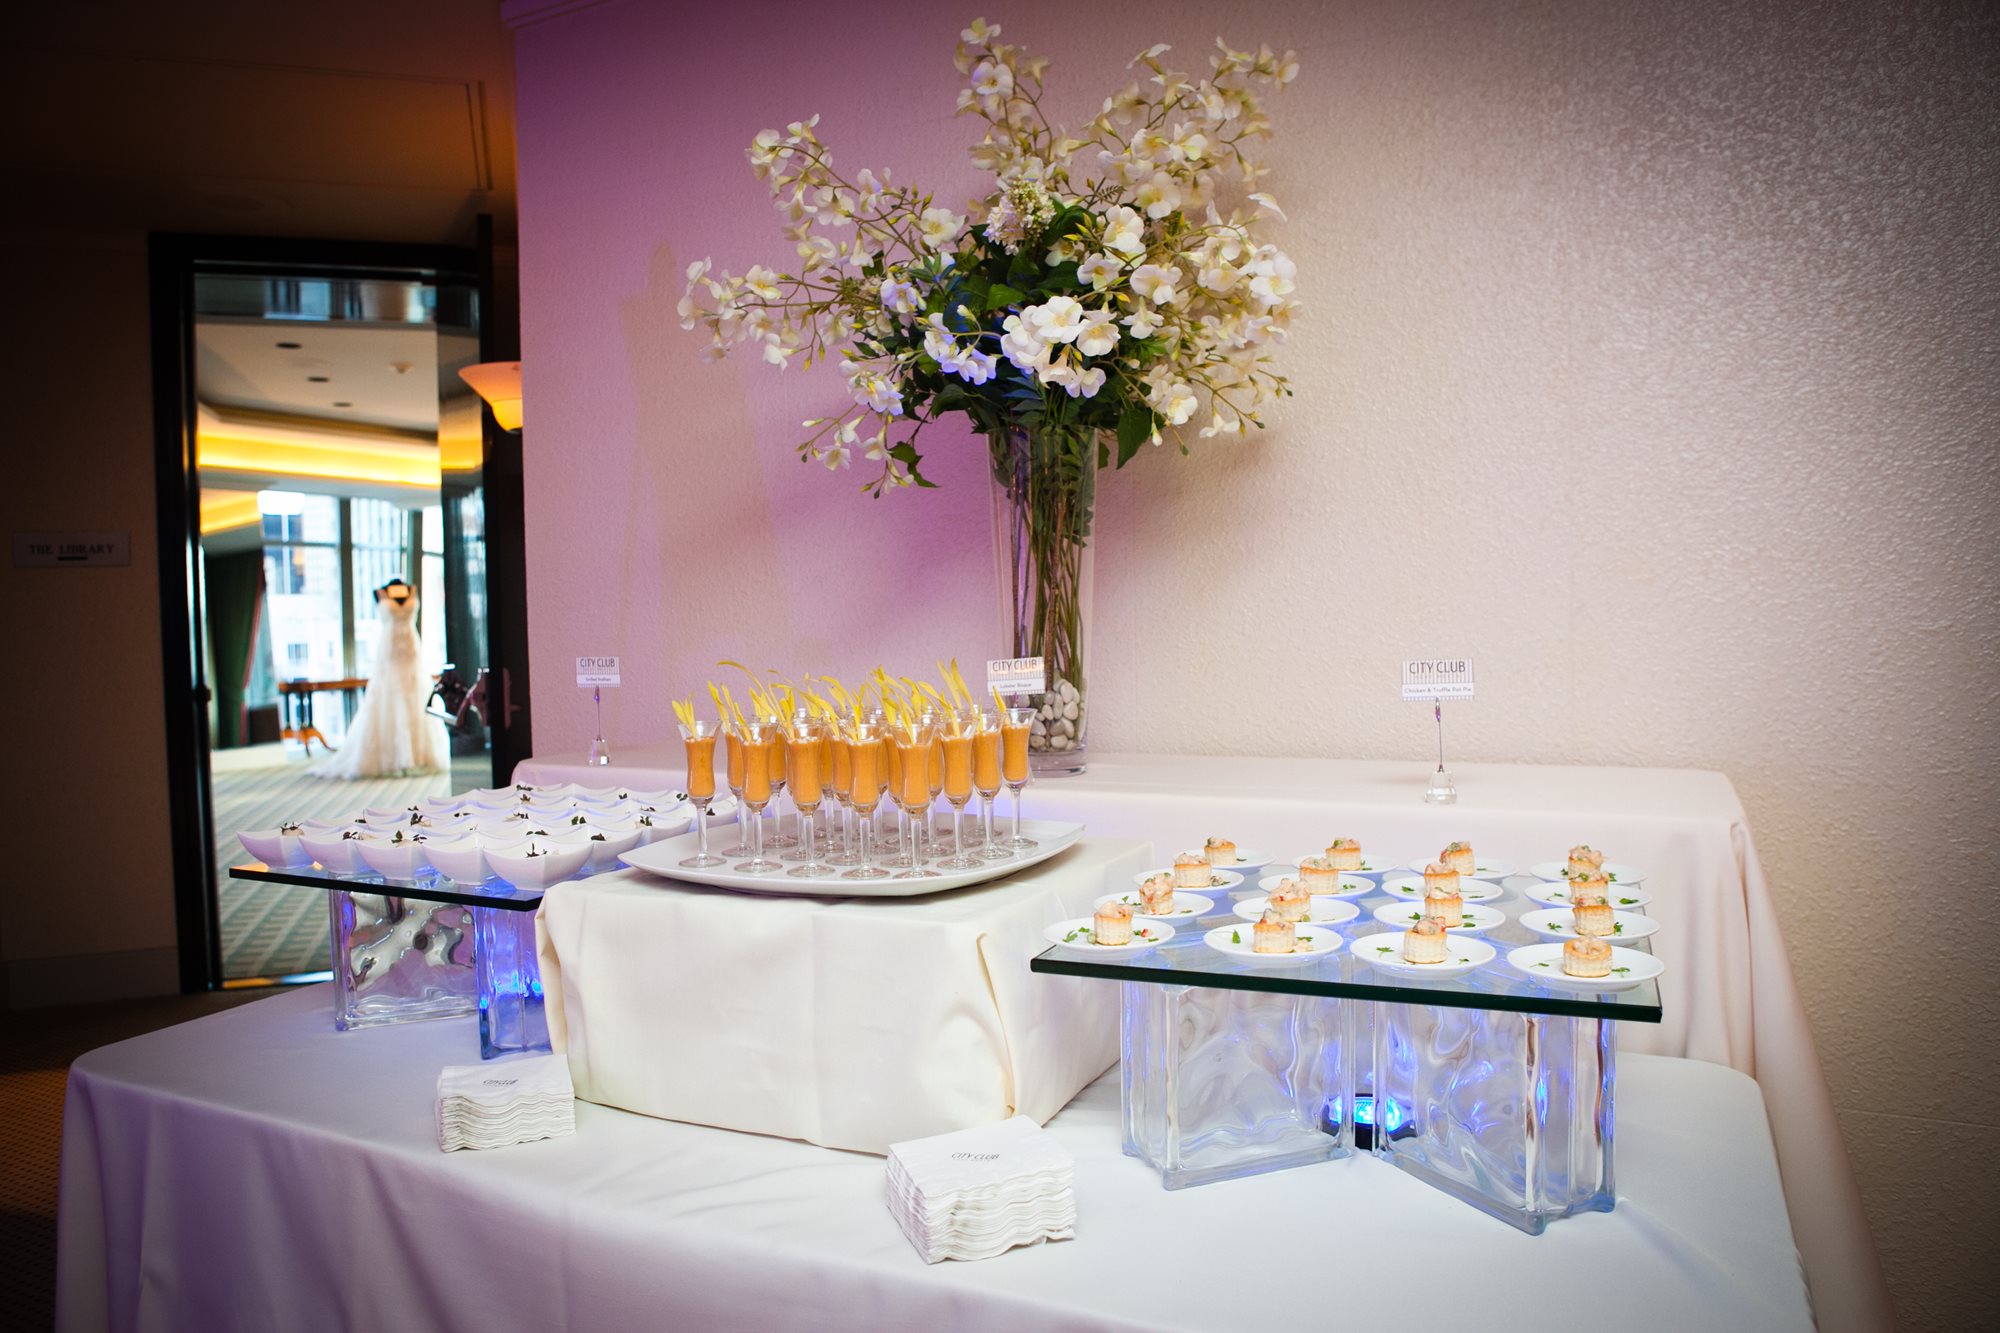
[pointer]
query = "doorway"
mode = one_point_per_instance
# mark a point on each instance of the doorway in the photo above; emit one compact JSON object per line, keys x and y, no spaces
{"x":318,"y":447}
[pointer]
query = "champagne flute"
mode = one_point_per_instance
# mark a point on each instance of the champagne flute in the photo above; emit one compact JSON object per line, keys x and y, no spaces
{"x":733,"y":743}
{"x":699,"y":737}
{"x":986,"y":778}
{"x":940,"y":721}
{"x":865,"y":791}
{"x":957,"y":742}
{"x":808,"y":783}
{"x":829,"y":788}
{"x":779,"y":838}
{"x":759,"y":740}
{"x":1014,"y":767}
{"x":891,"y":759}
{"x":842,"y":794}
{"x":913,"y":791}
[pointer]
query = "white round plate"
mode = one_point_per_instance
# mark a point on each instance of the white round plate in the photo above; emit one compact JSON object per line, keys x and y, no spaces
{"x":1617,"y":871}
{"x":1556,"y":894}
{"x":1075,"y":936}
{"x":1217,"y":879}
{"x":1185,"y":904}
{"x":1557,"y":923}
{"x":1239,"y":942}
{"x":1486,"y":869}
{"x":1543,"y":962}
{"x":1478,"y":919}
{"x":1322,"y":911}
{"x":1350,"y":885}
{"x":1472,"y":890}
{"x":1370,"y":865}
{"x":1385,"y":950}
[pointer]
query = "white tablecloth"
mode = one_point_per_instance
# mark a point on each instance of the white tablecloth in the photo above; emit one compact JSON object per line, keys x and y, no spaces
{"x":1729,"y":993}
{"x":848,"y":1022}
{"x":255,"y":1170}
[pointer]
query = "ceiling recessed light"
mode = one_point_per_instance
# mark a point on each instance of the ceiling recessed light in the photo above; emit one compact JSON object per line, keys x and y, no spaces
{"x":343,"y":404}
{"x":316,"y":379}
{"x":289,"y":347}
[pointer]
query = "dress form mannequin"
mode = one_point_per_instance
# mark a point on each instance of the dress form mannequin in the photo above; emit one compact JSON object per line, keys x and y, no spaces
{"x":392,"y":734}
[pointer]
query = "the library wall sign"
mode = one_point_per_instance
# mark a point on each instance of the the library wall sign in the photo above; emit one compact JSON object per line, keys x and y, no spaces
{"x":57,"y":550}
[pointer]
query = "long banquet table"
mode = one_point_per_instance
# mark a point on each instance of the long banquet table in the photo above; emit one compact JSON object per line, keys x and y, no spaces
{"x":1732,"y":999}
{"x":256,"y":1170}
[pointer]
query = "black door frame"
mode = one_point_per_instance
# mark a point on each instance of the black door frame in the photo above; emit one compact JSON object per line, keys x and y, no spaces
{"x":175,"y":259}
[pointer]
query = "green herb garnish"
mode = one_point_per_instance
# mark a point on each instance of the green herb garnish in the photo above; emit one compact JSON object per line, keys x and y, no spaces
{"x":1236,"y":937}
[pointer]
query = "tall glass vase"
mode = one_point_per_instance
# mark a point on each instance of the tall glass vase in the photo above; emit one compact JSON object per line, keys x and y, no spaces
{"x":1044,"y":494}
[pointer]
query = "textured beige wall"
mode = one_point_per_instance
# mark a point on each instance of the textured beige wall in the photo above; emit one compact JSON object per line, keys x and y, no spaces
{"x":1651,"y":359}
{"x":86,"y":722}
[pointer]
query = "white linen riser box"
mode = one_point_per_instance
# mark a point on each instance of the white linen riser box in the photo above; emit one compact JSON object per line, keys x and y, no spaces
{"x":849,"y":1023}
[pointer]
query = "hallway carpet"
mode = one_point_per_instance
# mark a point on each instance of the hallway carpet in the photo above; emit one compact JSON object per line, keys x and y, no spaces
{"x":36,"y":1047}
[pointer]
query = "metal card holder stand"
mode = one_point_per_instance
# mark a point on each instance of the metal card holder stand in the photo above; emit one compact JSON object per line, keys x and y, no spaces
{"x":1442,"y":790}
{"x":600,"y":749}
{"x":1433,"y":680}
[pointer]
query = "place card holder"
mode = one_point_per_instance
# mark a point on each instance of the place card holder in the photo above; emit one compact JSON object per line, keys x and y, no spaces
{"x":1219,"y":1084}
{"x":399,"y":960}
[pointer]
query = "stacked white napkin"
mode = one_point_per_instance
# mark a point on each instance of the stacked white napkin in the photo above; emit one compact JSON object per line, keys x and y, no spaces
{"x":980,"y":1192}
{"x":505,"y":1102}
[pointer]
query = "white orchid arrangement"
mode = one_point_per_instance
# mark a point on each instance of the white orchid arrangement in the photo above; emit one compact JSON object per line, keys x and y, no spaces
{"x":1105,"y":285}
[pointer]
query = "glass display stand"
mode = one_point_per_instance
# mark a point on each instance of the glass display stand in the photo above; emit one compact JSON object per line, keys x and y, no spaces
{"x":1219,"y":1084}
{"x":409,"y":950}
{"x":510,"y":983}
{"x":1495,"y":1087}
{"x":1510,"y":1112}
{"x":399,"y":960}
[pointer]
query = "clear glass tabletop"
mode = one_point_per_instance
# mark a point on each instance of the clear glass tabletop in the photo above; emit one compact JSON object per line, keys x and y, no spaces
{"x":1187,"y":960}
{"x":429,"y":888}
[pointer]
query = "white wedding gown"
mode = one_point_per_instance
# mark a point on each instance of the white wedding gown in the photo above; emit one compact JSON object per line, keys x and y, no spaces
{"x":392,"y":735}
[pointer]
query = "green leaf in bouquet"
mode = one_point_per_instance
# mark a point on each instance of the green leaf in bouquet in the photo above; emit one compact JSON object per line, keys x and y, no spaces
{"x":906,"y":454}
{"x":999,"y":296}
{"x":1024,"y":272}
{"x":1134,"y":429}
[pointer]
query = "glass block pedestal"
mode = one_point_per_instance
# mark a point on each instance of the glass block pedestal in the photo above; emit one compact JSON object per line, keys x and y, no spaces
{"x":398,"y":960}
{"x":429,"y":948}
{"x":510,"y":983}
{"x":1513,"y":1113}
{"x":1219,"y":1084}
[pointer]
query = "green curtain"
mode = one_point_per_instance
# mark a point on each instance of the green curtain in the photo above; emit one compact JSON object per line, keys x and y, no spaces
{"x":235,"y":604}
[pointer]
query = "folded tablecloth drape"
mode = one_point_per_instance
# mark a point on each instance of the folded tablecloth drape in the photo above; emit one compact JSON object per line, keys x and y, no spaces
{"x":257,"y":1170}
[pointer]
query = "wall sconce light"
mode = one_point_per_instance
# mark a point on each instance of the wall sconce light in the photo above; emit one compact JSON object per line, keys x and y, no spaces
{"x":499,"y":383}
